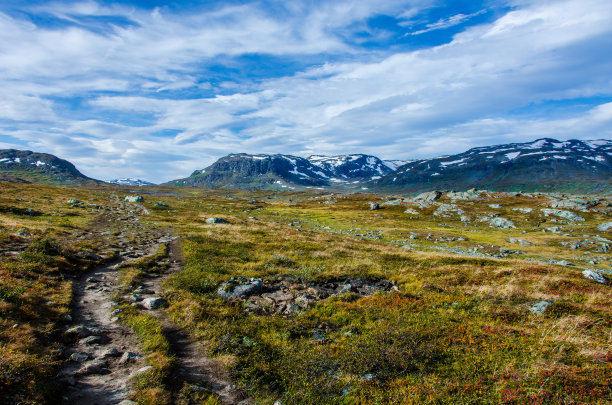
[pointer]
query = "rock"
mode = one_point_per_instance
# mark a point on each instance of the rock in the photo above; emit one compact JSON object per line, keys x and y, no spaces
{"x":21,"y":233}
{"x":305,"y":301}
{"x":129,"y":357}
{"x":445,"y":210}
{"x":143,"y":370}
{"x":73,"y":201}
{"x":79,"y":357}
{"x":278,"y":296}
{"x":94,"y":367}
{"x":471,"y":194}
{"x":605,"y":227}
{"x":501,"y":223}
{"x":553,"y":229}
{"x":539,"y":307}
{"x":429,"y":196}
{"x":290,"y":309}
{"x":92,"y":340}
{"x":595,"y":276}
{"x":573,"y":204}
{"x":374,"y":206}
{"x":154,"y":302}
{"x":523,"y":210}
{"x":346,"y":288}
{"x":112,"y":352}
{"x":133,"y":198}
{"x":570,"y":216}
{"x":520,"y":242}
{"x":465,"y":218}
{"x":233,"y":289}
{"x":79,"y":331}
{"x":88,"y":255}
{"x":495,"y":206}
{"x":411,"y":211}
{"x":216,"y":221}
{"x":161,"y":205}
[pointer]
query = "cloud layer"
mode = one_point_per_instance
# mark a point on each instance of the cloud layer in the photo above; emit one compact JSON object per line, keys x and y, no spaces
{"x":157,"y":93}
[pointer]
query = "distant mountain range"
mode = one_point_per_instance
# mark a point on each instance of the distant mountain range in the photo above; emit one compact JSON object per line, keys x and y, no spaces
{"x":24,"y":166}
{"x":286,"y":171}
{"x":545,"y":164}
{"x":131,"y":182}
{"x":542,"y":165}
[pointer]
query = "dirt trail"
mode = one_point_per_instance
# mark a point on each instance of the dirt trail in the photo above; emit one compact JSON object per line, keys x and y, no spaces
{"x":194,"y":366}
{"x":98,"y":371}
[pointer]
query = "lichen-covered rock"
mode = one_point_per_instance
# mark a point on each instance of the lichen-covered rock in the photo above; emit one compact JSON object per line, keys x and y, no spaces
{"x":539,"y":307}
{"x":606,"y":226}
{"x":428,"y":196}
{"x":570,"y":216}
{"x":239,"y":287}
{"x":374,"y":206}
{"x":154,"y":302}
{"x":595,"y":276}
{"x":501,"y":223}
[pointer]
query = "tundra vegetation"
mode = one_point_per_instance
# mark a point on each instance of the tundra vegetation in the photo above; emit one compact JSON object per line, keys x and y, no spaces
{"x":342,"y":302}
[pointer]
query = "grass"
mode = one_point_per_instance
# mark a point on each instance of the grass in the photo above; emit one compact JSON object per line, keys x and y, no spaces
{"x":459,"y":330}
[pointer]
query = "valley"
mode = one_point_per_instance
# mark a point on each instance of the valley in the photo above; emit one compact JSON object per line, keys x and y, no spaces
{"x":233,"y":296}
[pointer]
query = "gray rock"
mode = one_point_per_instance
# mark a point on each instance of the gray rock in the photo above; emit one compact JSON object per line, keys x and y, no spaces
{"x":495,"y":206}
{"x":411,"y":211}
{"x":572,"y":204}
{"x":553,"y":229}
{"x":429,"y":196}
{"x":233,"y":289}
{"x":539,"y":307}
{"x":92,"y":340}
{"x":520,"y":242}
{"x":79,"y":331}
{"x":523,"y":210}
{"x":305,"y":301}
{"x":570,"y":216}
{"x":94,"y":367}
{"x":471,"y":194}
{"x":154,"y":302}
{"x":595,"y":276}
{"x":446,"y":210}
{"x":374,"y":206}
{"x":89,"y":256}
{"x":216,"y":221}
{"x":501,"y":223}
{"x":129,"y":357}
{"x":112,"y":352}
{"x":143,"y":370}
{"x":79,"y":357}
{"x":606,"y":226}
{"x":133,"y":198}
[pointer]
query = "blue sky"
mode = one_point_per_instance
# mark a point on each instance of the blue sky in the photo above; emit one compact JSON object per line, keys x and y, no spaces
{"x":157,"y":89}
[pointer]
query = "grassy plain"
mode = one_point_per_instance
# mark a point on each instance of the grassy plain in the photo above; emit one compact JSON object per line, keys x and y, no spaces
{"x":458,"y":329}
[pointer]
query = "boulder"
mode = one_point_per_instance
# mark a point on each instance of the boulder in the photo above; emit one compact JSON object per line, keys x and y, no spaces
{"x":495,"y":206}
{"x":596,"y":276}
{"x":520,"y":242}
{"x":134,"y":198}
{"x":154,"y":302}
{"x":129,"y":357}
{"x":501,"y":223}
{"x":570,"y":216}
{"x":240,"y":287}
{"x":606,"y":226}
{"x":216,"y":221}
{"x":411,"y":211}
{"x":428,"y":196}
{"x":94,"y":367}
{"x":523,"y":210}
{"x":471,"y":194}
{"x":374,"y":206}
{"x":539,"y":307}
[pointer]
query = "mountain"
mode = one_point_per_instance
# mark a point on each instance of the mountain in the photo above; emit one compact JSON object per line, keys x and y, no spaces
{"x":351,"y":167}
{"x":131,"y":182}
{"x":24,"y":166}
{"x":394,"y":164}
{"x":285,"y":171}
{"x":545,"y":164}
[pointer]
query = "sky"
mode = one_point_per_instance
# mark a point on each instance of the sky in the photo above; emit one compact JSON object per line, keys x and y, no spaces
{"x":157,"y":89}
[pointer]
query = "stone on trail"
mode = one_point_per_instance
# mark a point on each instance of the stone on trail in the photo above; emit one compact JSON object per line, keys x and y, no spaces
{"x":129,"y":357}
{"x":79,"y":357}
{"x":154,"y":302}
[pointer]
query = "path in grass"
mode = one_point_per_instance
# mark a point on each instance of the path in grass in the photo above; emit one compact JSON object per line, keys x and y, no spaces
{"x":194,"y":367}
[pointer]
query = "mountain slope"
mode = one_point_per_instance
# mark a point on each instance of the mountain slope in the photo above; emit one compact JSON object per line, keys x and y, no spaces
{"x":30,"y":167}
{"x":351,"y":167}
{"x":544,"y":164}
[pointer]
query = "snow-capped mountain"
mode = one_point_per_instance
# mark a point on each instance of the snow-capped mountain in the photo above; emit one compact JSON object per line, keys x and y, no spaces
{"x":25,"y":166}
{"x":264,"y":171}
{"x":395,"y":163}
{"x":539,"y":165}
{"x":129,"y":181}
{"x":351,"y":167}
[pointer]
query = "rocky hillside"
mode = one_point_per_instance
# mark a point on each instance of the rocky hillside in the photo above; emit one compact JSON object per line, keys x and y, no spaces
{"x":24,"y":166}
{"x":545,"y":164}
{"x":286,"y":171}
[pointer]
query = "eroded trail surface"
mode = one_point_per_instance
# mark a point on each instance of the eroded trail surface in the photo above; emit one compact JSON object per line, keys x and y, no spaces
{"x":104,"y":354}
{"x":194,"y":366}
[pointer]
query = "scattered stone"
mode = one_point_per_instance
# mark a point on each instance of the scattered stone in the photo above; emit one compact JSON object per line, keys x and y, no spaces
{"x":471,"y":194}
{"x":523,"y":210}
{"x":374,"y":206}
{"x":216,"y":221}
{"x":501,"y":223}
{"x":553,"y":229}
{"x":605,"y":227}
{"x":495,"y":206}
{"x":429,"y":196}
{"x":129,"y":357}
{"x":239,"y":287}
{"x":539,"y":307}
{"x":570,"y":216}
{"x":446,"y":210}
{"x":154,"y":302}
{"x":411,"y":211}
{"x":520,"y":242}
{"x":134,"y":198}
{"x":95,"y":367}
{"x":79,"y":357}
{"x":92,"y":340}
{"x":112,"y":352}
{"x":79,"y":331}
{"x":595,"y":276}
{"x":573,"y":204}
